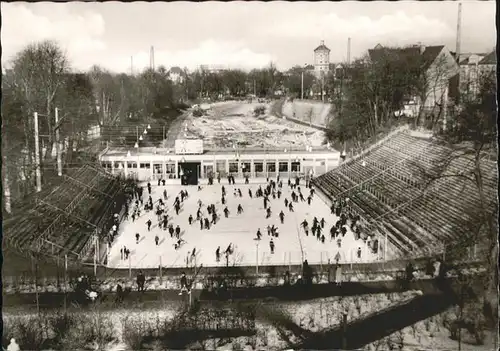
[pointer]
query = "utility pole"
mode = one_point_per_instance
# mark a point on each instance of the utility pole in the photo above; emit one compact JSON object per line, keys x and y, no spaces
{"x":322,"y":87}
{"x":457,"y":49}
{"x":38,"y":173}
{"x":348,"y":51}
{"x":344,"y":329}
{"x":58,"y":149}
{"x":445,"y":108}
{"x":302,"y":84}
{"x":5,"y":179}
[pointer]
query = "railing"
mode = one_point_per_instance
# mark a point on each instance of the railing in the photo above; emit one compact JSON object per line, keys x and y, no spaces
{"x":78,"y":198}
{"x":388,"y":169}
{"x":88,"y":246}
{"x":398,"y":130}
{"x":64,"y":211}
{"x":257,"y":257}
{"x":90,"y":185}
{"x":50,"y":230}
{"x":62,"y":248}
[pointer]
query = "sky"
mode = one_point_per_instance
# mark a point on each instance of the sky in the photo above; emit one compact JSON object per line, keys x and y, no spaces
{"x":237,"y":34}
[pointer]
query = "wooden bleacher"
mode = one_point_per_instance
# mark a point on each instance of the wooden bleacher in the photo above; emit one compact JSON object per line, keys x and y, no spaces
{"x":406,"y":184}
{"x":65,"y":220}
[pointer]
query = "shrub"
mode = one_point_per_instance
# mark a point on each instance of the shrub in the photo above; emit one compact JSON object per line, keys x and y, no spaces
{"x":182,"y":106}
{"x":259,"y":110}
{"x":28,"y":332}
{"x":61,"y":324}
{"x":198,"y":112}
{"x":7,"y":332}
{"x":93,"y":329}
{"x":136,"y":332}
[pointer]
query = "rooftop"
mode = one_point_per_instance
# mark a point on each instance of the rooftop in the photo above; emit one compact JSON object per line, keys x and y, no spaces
{"x":322,"y":47}
{"x":176,"y":70}
{"x":428,"y":53}
{"x":490,"y":59}
{"x":229,"y":151}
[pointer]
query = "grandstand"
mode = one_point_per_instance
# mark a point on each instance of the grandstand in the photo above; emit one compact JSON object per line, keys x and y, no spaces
{"x":67,"y":220}
{"x":413,"y":192}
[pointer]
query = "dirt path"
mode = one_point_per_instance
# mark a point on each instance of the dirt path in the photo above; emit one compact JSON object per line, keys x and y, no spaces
{"x":278,"y":293}
{"x":175,"y":130}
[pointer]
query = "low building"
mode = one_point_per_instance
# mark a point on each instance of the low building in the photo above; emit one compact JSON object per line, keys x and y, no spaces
{"x":474,"y":67}
{"x":176,"y":74}
{"x":149,"y":164}
{"x":488,"y":65}
{"x":214,"y":68}
{"x":440,"y":73}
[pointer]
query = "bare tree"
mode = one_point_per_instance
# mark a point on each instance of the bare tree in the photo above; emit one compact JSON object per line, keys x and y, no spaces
{"x":40,"y":68}
{"x":432,"y":88}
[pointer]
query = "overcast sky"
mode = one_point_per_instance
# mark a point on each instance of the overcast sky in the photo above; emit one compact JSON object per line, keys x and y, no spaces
{"x":238,"y":34}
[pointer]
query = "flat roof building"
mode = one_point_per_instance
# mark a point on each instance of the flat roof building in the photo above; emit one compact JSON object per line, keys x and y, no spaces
{"x":146,"y":164}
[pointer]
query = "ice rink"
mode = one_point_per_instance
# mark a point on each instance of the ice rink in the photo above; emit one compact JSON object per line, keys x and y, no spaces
{"x":239,"y":229}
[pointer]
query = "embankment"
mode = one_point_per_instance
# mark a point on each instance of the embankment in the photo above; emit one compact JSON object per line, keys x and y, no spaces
{"x":315,"y":113}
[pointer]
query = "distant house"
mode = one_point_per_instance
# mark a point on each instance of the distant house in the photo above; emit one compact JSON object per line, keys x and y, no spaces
{"x":488,"y":64}
{"x":338,"y":70}
{"x":469,"y":74}
{"x":473,"y":67}
{"x":176,"y":74}
{"x":439,"y":67}
{"x":215,"y":68}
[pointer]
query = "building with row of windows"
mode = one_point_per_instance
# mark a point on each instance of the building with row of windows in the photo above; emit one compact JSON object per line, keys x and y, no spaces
{"x":473,"y":68}
{"x":146,"y":164}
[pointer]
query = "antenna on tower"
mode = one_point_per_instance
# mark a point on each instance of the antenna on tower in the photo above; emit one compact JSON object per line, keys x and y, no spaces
{"x":348,"y":51}
{"x":459,"y":29}
{"x":152,"y":58}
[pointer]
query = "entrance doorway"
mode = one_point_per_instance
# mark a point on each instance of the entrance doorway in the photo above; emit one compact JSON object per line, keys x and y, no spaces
{"x":189,"y":172}
{"x":208,"y":170}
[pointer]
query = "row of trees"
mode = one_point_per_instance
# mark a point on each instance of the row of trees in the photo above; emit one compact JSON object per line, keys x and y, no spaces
{"x":40,"y":79}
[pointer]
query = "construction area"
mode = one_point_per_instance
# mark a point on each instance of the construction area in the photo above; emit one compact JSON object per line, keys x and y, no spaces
{"x":236,"y":125}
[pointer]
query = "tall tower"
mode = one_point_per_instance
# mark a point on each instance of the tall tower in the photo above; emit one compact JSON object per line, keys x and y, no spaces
{"x":459,"y":22}
{"x":321,"y":59}
{"x":152,"y":58}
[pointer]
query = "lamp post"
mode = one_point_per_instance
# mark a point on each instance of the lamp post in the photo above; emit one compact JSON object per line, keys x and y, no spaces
{"x":37,"y":155}
{"x":257,"y":258}
{"x":58,"y":151}
{"x":302,"y":82}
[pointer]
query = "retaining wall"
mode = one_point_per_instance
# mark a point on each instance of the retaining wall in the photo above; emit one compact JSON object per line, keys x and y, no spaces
{"x":311,"y":112}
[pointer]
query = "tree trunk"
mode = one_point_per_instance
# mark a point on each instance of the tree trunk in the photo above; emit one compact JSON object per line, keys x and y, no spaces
{"x":5,"y":179}
{"x":49,"y":120}
{"x":491,"y":293}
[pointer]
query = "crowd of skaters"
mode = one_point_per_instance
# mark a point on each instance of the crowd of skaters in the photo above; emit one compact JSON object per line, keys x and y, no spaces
{"x":208,"y":216}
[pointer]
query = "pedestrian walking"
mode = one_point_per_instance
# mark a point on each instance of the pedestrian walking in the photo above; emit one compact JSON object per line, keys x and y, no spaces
{"x":282,"y":217}
{"x":184,"y":287}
